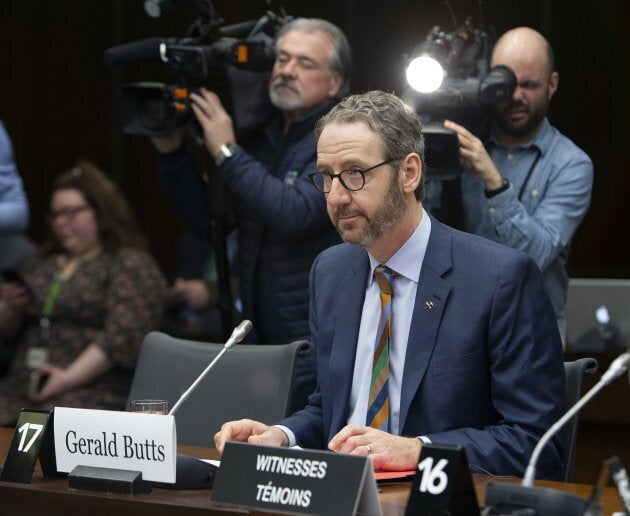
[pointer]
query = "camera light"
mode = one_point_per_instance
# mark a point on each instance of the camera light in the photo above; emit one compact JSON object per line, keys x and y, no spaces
{"x":425,"y":74}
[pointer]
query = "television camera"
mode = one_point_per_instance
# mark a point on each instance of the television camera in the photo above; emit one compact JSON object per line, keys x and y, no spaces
{"x":210,"y":54}
{"x":449,"y":77}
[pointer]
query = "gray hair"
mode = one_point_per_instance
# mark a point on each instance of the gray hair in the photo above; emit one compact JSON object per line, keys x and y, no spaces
{"x":397,"y":124}
{"x":341,"y":60}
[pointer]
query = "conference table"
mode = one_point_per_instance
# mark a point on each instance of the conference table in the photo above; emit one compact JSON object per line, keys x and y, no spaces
{"x":51,"y":496}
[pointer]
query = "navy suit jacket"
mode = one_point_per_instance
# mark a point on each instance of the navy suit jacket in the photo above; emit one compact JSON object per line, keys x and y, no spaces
{"x":483,"y":368}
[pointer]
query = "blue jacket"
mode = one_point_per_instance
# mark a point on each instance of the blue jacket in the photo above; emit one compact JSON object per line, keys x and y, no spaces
{"x":13,"y":204}
{"x":483,"y":366}
{"x":281,"y":219}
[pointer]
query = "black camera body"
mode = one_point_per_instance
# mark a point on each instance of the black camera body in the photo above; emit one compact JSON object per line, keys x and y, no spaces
{"x":236,"y":69}
{"x":466,"y":94}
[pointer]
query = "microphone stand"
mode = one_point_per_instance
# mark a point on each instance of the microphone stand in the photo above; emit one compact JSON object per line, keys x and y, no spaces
{"x":549,"y":501}
{"x":237,"y":335}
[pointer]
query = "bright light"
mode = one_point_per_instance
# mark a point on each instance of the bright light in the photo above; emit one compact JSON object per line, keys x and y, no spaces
{"x":425,"y":74}
{"x":602,"y":315}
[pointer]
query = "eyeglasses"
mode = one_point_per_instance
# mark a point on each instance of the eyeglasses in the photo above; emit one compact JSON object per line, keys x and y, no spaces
{"x":352,"y":179}
{"x":66,"y":214}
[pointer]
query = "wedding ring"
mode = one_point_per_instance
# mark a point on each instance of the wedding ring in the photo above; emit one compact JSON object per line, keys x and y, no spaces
{"x":367,"y":447}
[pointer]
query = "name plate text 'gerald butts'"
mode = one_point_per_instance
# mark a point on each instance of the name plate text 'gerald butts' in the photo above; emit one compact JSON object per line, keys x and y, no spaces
{"x":118,"y":440}
{"x":296,"y":480}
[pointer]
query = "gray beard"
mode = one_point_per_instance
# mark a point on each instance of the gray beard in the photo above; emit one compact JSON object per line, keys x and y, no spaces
{"x":284,"y":100}
{"x":388,"y":215}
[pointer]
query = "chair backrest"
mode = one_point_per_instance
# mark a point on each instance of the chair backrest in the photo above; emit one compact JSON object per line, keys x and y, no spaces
{"x":248,"y":381}
{"x":574,"y":373}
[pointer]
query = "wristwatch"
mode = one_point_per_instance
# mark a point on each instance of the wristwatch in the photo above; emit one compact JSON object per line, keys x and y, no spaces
{"x":491,"y":193}
{"x":226,"y":151}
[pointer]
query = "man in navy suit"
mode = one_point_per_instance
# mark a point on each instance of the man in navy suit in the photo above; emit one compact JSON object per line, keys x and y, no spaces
{"x":475,"y":356}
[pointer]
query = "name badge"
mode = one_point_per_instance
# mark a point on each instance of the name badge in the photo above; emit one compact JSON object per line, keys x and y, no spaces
{"x":36,"y":356}
{"x":295,"y":480}
{"x":117,"y":440}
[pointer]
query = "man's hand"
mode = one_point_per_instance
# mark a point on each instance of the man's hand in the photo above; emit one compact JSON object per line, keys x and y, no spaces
{"x":386,"y":451}
{"x":253,"y":432}
{"x":216,"y":123}
{"x":194,"y":293}
{"x":474,"y":157}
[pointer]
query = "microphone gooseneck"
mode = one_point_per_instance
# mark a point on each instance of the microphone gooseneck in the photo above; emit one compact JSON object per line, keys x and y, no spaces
{"x":238,"y":335}
{"x":617,"y":368}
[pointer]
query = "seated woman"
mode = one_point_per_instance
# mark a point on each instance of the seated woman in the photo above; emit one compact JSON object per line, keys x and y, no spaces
{"x":88,"y":299}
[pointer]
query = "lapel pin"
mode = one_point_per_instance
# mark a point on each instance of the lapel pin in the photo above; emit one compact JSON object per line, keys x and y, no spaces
{"x":429,"y":305}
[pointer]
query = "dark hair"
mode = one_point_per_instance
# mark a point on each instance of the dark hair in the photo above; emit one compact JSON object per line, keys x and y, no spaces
{"x":397,"y":124}
{"x":341,"y":60}
{"x":117,"y":225}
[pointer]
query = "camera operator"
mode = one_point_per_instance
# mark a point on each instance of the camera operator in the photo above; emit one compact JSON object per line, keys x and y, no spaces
{"x":282,"y":219}
{"x":528,"y":186}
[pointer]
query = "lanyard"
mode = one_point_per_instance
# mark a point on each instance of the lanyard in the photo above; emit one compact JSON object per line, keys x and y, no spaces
{"x":529,"y":173}
{"x":57,"y":283}
{"x":53,"y":293}
{"x":49,"y":303}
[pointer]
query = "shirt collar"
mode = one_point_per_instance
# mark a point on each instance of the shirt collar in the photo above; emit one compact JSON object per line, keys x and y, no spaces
{"x":407,"y":261}
{"x":541,"y":139}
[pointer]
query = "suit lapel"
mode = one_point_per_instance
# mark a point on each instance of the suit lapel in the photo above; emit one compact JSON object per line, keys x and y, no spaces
{"x":431,"y":298}
{"x":348,"y":307}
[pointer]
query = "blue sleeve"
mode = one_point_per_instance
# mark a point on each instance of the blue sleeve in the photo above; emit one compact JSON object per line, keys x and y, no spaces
{"x":307,"y":424}
{"x":183,"y":185}
{"x":285,"y":205}
{"x":548,"y":229}
{"x":13,"y":203}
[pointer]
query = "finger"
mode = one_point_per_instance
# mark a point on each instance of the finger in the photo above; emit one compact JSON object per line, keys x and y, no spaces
{"x":224,"y":435}
{"x":200,"y":113}
{"x":345,"y":433}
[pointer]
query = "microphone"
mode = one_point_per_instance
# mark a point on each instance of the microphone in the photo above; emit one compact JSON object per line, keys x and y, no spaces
{"x":548,"y":501}
{"x":617,"y":368}
{"x":238,"y":335}
{"x":142,"y":50}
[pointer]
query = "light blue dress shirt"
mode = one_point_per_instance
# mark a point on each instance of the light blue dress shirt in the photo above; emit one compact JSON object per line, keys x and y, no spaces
{"x":406,"y":263}
{"x":537,"y":214}
{"x":13,"y":203}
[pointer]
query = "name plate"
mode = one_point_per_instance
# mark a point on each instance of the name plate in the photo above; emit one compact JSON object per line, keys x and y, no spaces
{"x":296,"y":480}
{"x":442,"y":484}
{"x":30,"y":438}
{"x":116,"y":440}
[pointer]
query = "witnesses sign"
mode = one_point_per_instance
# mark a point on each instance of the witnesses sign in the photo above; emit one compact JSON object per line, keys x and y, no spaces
{"x":302,"y":481}
{"x":117,"y":440}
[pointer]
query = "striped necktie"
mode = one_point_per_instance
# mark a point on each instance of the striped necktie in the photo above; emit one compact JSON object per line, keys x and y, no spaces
{"x":378,"y":403}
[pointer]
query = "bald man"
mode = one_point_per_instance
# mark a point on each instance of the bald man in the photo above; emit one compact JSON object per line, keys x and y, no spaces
{"x":527,"y":186}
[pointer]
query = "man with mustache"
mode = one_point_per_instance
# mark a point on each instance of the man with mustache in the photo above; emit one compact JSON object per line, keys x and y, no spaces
{"x":528,"y":186}
{"x":421,"y":333}
{"x":281,"y":220}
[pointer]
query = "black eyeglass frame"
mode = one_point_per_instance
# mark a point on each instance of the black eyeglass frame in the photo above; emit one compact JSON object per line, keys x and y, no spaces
{"x":315,"y":175}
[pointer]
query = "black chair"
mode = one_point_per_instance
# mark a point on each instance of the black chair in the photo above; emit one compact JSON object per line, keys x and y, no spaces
{"x":249,"y":381}
{"x":574,"y":372}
